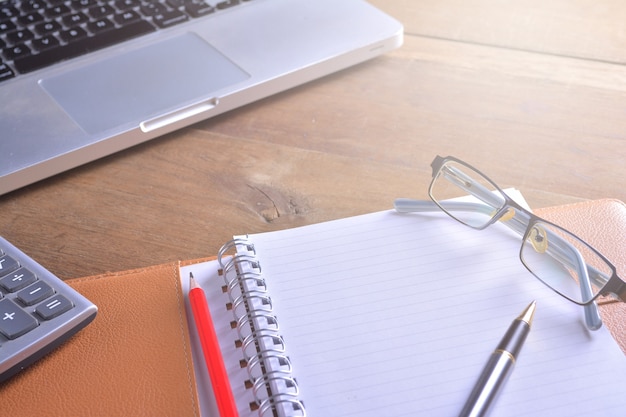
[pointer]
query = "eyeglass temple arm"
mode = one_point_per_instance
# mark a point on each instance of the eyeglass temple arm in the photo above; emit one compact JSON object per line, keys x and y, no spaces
{"x":518,"y":225}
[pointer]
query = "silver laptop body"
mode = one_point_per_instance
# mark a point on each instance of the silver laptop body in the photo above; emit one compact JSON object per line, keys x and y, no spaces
{"x":82,"y":109}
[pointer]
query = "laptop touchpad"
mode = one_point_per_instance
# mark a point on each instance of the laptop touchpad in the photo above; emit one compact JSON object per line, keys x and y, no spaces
{"x":143,"y":83}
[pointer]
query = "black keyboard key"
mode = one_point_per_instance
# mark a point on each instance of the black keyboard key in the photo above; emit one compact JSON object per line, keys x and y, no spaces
{"x":7,"y":26}
{"x":226,"y":4}
{"x":57,"y":11}
{"x":82,"y":46}
{"x":127,"y":4}
{"x":100,"y":25}
{"x":82,"y":4}
{"x":30,"y":19}
{"x":20,"y":36}
{"x":5,"y":74}
{"x":35,"y":293}
{"x":47,"y":27}
{"x":75,"y":19}
{"x":153,"y":9}
{"x":175,"y":4}
{"x":8,"y":265}
{"x":45,"y":42}
{"x":14,"y":321}
{"x":73,"y":34}
{"x":100,"y":11}
{"x":171,"y":18}
{"x":53,"y":307}
{"x":126,"y":17}
{"x":32,"y":5}
{"x":7,"y":12}
{"x":17,"y":280}
{"x":199,"y":9}
{"x":17,"y":52}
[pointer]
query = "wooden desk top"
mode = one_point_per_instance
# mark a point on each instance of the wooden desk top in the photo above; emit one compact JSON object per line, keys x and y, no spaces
{"x":533,"y":94}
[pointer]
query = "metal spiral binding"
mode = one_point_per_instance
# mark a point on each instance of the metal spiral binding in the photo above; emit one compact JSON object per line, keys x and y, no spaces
{"x":263,"y":348}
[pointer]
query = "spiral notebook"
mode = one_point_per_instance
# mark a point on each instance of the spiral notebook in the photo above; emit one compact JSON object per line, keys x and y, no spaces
{"x":391,"y":314}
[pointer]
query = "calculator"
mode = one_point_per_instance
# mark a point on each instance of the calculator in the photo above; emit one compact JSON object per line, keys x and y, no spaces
{"x":38,"y":311}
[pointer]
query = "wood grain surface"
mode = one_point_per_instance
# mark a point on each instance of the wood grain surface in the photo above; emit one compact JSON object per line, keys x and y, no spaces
{"x":532,"y":93}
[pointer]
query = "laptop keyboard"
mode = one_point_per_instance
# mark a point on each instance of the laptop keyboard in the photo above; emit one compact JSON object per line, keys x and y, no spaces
{"x":37,"y":33}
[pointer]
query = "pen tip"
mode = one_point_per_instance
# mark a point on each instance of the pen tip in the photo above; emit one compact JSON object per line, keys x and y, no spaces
{"x":528,"y":314}
{"x":192,"y":281}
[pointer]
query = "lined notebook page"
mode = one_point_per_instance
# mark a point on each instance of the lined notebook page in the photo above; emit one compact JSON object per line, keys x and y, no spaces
{"x":391,"y":314}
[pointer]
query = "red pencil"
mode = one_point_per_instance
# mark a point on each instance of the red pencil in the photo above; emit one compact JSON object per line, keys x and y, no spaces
{"x":211,"y":349}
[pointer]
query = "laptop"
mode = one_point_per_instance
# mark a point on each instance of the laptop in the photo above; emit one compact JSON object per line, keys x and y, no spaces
{"x":81,"y":79}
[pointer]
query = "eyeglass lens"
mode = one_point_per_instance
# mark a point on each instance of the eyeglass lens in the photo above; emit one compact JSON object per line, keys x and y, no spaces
{"x":564,"y":262}
{"x":456,"y":180}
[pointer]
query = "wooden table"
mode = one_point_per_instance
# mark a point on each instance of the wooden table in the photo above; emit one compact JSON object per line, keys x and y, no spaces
{"x":533,"y":93}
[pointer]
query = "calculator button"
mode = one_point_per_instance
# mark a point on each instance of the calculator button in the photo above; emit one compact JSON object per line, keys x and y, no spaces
{"x":37,"y":292}
{"x":14,"y":321}
{"x":18,"y":280}
{"x":53,"y":307}
{"x":7,"y":265}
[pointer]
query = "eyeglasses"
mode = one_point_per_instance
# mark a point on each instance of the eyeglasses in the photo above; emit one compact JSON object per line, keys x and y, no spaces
{"x":557,"y":257}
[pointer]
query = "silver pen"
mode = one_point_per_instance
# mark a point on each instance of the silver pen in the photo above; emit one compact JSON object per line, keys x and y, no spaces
{"x":499,"y":366}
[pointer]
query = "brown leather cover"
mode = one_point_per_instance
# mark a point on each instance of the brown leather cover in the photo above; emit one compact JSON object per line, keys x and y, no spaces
{"x":601,"y":223}
{"x":134,"y":359}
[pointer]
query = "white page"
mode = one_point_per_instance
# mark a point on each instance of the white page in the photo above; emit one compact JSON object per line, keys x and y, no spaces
{"x":394,"y":315}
